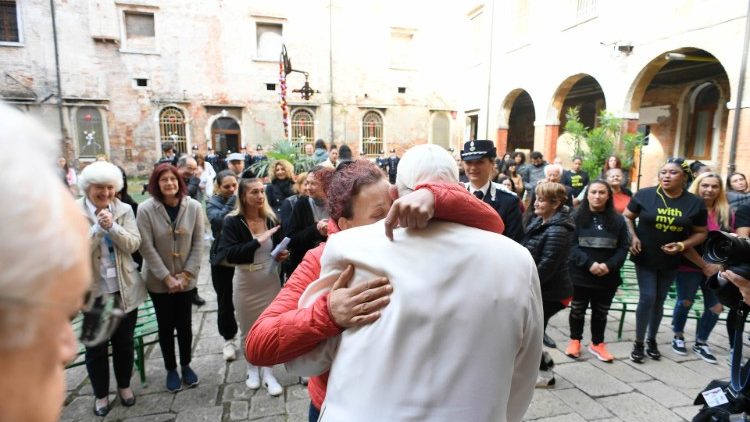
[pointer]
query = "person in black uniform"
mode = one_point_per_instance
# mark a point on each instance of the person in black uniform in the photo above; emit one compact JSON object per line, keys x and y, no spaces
{"x":392,"y":165}
{"x":479,"y":160}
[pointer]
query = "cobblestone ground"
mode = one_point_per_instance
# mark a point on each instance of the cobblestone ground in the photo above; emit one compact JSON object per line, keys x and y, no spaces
{"x":586,"y":389}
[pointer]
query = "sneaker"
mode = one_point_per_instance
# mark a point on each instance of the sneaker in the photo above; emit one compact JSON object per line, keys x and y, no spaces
{"x":189,"y":377}
{"x":651,"y":350}
{"x":545,"y":379}
{"x":702,"y":350}
{"x":270,"y":383}
{"x":229,"y":351}
{"x":678,"y":346}
{"x":547,"y":340}
{"x":253,"y":378}
{"x":547,"y":362}
{"x":601,"y":352}
{"x":637,"y":354}
{"x":574,"y":349}
{"x":173,"y":381}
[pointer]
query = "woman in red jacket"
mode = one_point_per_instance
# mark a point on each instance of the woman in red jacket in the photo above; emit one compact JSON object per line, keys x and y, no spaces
{"x":358,"y":192}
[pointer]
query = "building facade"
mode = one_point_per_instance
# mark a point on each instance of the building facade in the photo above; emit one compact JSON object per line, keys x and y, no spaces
{"x":134,"y":74}
{"x":673,"y":66}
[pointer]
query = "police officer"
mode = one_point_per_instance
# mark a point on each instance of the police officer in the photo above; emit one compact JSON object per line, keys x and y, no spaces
{"x":392,"y":166}
{"x":479,"y":159}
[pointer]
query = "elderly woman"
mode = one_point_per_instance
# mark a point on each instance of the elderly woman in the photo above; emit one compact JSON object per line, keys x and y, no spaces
{"x":249,"y":235}
{"x":547,"y":237}
{"x":670,"y":220}
{"x":45,"y":272}
{"x":114,"y":237}
{"x":281,"y":186}
{"x":171,"y":226}
{"x":217,"y":208}
{"x":358,"y":195}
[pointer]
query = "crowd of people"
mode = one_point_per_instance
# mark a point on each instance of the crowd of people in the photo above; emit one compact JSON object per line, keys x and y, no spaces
{"x":357,"y":274}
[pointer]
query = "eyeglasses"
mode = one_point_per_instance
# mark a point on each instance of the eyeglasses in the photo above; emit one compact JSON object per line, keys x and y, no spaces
{"x":93,"y":324}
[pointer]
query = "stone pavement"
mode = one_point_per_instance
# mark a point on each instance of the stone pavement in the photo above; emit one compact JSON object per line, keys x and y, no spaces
{"x":586,"y":389}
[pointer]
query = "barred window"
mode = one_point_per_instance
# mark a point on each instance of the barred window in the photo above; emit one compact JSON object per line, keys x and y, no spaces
{"x":9,"y":21}
{"x":303,"y":128}
{"x":372,"y":134}
{"x":172,"y":128}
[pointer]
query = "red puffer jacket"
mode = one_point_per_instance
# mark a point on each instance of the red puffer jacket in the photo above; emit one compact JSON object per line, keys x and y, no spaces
{"x":283,"y":332}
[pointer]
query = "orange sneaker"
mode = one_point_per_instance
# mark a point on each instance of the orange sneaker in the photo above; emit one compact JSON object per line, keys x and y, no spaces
{"x":574,"y":349}
{"x":601,"y":352}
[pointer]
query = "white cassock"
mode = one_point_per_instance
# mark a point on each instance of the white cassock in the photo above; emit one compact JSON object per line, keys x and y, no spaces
{"x":461,"y":339}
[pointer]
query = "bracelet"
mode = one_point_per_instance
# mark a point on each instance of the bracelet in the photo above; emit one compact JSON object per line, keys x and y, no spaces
{"x":681,"y":245}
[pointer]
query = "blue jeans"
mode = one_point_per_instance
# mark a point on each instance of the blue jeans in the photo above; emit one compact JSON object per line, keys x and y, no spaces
{"x":653,"y":286}
{"x":313,"y":414}
{"x":687,"y":286}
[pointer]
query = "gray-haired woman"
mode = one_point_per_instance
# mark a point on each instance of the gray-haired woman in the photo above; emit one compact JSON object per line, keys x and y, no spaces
{"x":114,"y":236}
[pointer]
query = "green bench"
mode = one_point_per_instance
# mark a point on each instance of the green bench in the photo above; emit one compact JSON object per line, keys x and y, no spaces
{"x":626,"y":298}
{"x":146,"y":333}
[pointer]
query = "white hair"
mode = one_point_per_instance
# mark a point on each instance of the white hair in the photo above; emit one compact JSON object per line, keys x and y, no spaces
{"x":550,"y":167}
{"x":36,"y":241}
{"x":425,"y":163}
{"x":100,"y":173}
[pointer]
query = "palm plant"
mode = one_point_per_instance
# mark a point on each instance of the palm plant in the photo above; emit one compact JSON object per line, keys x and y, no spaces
{"x":283,"y":150}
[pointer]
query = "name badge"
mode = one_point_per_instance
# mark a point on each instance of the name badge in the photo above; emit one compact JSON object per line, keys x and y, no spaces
{"x":111,"y":272}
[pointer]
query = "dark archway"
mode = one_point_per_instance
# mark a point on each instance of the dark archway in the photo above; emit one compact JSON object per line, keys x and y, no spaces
{"x":521,"y":123}
{"x":587,"y":95}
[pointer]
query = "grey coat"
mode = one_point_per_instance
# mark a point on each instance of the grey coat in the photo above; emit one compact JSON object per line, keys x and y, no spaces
{"x":126,"y":239}
{"x":170,"y":250}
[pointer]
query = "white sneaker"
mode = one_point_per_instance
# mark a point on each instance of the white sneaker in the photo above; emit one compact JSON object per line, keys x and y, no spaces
{"x":253,"y":378}
{"x":545,"y":379}
{"x":270,"y":382}
{"x":229,"y":352}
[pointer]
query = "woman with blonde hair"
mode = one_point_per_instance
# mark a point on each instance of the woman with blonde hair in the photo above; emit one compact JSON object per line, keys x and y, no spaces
{"x":281,"y":186}
{"x":694,"y":271}
{"x":248,"y":236}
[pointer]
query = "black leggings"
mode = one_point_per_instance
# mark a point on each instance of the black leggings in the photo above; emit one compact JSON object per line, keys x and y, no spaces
{"x":600,"y":300}
{"x":97,"y":361}
{"x":221,"y":277}
{"x":174,"y":312}
{"x":551,"y":307}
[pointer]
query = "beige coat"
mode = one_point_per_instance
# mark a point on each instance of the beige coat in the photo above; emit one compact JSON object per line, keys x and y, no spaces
{"x":167,"y":250}
{"x":460,"y":340}
{"x":126,"y":239}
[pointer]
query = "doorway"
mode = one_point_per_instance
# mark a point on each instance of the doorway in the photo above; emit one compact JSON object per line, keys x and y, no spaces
{"x":225,"y":135}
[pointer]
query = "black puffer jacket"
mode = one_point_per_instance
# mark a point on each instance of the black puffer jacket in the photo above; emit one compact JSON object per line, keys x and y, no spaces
{"x":277,"y":191}
{"x":549,"y":244}
{"x":216,"y":209}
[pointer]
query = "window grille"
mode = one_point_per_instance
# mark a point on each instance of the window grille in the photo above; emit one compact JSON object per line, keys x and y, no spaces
{"x":303,"y":129}
{"x":9,"y":21}
{"x":372,"y":134}
{"x":172,"y":128}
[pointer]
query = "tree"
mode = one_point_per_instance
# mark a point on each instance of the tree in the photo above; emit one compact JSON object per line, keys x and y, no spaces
{"x":597,"y":144}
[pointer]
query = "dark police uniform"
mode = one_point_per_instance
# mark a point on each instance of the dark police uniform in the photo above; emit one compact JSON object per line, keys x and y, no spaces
{"x":506,"y":203}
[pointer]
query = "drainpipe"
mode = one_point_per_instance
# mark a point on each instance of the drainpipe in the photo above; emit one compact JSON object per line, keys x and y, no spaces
{"x":63,"y":132}
{"x":740,"y":90}
{"x":330,"y":64}
{"x":489,"y":73}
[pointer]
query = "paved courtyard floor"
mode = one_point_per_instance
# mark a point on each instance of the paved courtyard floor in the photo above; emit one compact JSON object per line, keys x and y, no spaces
{"x":586,"y":389}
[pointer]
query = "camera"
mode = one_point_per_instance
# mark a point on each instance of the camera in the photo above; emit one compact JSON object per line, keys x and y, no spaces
{"x":733,"y":253}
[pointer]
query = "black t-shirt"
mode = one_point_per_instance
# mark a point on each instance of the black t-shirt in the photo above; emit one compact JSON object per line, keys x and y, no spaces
{"x":664,"y":220}
{"x":172,"y":212}
{"x":742,"y":216}
{"x":577,"y":181}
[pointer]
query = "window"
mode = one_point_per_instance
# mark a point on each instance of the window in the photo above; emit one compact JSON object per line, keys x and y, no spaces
{"x":269,"y":40}
{"x":700,"y":141}
{"x":140,"y":33}
{"x":172,"y":128}
{"x":303,"y":128}
{"x":90,"y":131}
{"x":441,"y":130}
{"x":402,"y":55}
{"x":586,"y":9}
{"x":9,"y":28}
{"x":472,"y":127}
{"x":372,"y":134}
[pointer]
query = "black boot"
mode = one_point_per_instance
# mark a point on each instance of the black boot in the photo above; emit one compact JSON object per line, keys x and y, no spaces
{"x":547,"y":340}
{"x":197,"y":300}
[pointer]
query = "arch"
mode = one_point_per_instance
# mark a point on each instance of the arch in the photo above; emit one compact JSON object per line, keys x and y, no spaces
{"x":210,"y":135}
{"x":580,"y":89}
{"x":440,"y":129}
{"x":302,"y":127}
{"x":173,"y":128}
{"x":516,"y":121}
{"x":372,"y":134}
